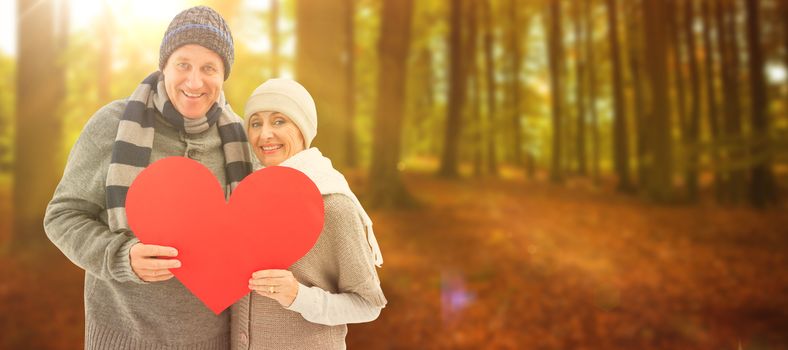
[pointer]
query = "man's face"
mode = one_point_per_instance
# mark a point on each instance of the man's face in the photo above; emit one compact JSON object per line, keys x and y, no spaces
{"x":193,"y":77}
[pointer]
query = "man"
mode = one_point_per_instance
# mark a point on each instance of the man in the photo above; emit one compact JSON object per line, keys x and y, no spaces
{"x":131,"y":299}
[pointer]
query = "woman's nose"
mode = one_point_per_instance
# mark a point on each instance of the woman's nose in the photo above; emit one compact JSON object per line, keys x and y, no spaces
{"x":267,"y":131}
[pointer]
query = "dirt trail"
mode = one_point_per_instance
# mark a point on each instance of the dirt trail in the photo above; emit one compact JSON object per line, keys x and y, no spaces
{"x":506,"y":264}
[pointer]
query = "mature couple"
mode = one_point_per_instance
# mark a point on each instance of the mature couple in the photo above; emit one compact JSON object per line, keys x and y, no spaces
{"x":131,"y":299}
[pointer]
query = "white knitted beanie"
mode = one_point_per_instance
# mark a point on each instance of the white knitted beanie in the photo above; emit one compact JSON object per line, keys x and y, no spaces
{"x":288,"y":97}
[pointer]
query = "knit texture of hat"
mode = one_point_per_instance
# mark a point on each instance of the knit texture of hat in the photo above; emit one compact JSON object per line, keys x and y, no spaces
{"x":203,"y":26}
{"x":288,"y":97}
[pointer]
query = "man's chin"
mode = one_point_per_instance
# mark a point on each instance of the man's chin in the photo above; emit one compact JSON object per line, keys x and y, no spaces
{"x":192,"y":113}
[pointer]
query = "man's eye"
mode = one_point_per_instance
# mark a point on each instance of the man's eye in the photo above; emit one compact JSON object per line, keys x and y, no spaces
{"x":210,"y":69}
{"x":255,"y":124}
{"x":183,"y":65}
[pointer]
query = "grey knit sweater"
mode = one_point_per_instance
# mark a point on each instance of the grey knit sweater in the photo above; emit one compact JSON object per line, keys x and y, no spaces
{"x":122,"y":311}
{"x":340,"y":262}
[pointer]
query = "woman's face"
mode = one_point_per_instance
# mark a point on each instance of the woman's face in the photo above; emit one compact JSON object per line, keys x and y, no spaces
{"x":193,"y":78}
{"x":274,"y":137}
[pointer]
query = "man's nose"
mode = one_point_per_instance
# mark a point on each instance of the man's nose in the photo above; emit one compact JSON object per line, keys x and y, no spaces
{"x":194,"y":79}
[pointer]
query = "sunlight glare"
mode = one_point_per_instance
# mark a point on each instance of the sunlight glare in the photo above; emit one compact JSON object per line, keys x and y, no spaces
{"x":8,"y":27}
{"x":776,"y":73}
{"x":84,"y":13}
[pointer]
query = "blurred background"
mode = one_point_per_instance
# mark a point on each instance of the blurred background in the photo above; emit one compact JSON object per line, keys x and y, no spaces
{"x":542,"y":174}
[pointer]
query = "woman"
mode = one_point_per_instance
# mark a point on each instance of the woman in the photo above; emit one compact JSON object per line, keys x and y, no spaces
{"x":335,"y":283}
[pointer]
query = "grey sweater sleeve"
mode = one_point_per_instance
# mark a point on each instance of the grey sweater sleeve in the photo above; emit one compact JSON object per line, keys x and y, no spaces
{"x":75,"y":220}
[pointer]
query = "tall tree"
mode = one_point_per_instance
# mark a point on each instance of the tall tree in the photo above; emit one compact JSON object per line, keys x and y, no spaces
{"x":591,"y":81}
{"x":762,"y":189}
{"x":492,"y":109}
{"x":273,"y":34}
{"x":692,"y":135}
{"x":674,"y":23}
{"x":104,"y":66}
{"x":784,"y":7}
{"x":711,"y":92}
{"x":388,"y":190}
{"x":635,"y":39}
{"x":350,"y":138}
{"x":580,"y":62}
{"x":556,"y":60}
{"x":40,"y":90}
{"x":620,"y":144}
{"x":677,"y":61}
{"x":515,"y":25}
{"x":321,"y":67}
{"x":729,"y":57}
{"x":660,"y":186}
{"x":456,"y":98}
{"x":473,"y":74}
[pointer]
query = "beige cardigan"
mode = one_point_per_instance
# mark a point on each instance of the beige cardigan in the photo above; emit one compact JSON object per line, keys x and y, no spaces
{"x":340,"y":262}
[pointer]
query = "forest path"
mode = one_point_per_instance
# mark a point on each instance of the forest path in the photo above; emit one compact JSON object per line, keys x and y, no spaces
{"x":514,"y":264}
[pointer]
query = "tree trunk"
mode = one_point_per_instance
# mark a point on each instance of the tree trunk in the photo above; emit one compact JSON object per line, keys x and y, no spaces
{"x":734,"y":186}
{"x":580,"y":62}
{"x":556,"y":60}
{"x":762,"y":188}
{"x":387,"y":189}
{"x":350,"y":139}
{"x":620,"y":144}
{"x":273,"y":32}
{"x":104,"y":66}
{"x":40,"y":90}
{"x":474,"y":75}
{"x":321,"y":67}
{"x":456,"y":98}
{"x":492,"y":160}
{"x":692,"y":136}
{"x":711,"y":96}
{"x":660,"y":185}
{"x":635,"y":41}
{"x":591,"y":78}
{"x":674,"y":23}
{"x":784,"y":5}
{"x":516,"y":57}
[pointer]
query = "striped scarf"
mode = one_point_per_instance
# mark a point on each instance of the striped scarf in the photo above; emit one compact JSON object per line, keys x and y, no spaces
{"x":134,"y":142}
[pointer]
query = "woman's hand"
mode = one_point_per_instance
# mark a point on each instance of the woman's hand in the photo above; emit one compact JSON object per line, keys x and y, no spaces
{"x":279,"y":285}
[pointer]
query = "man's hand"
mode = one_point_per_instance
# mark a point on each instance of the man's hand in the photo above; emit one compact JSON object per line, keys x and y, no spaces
{"x":147,"y":262}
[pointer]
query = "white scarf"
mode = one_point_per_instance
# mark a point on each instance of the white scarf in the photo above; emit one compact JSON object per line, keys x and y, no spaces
{"x":329,"y":181}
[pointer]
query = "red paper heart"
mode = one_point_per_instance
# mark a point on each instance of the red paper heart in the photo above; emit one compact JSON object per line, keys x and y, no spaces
{"x":273,"y":218}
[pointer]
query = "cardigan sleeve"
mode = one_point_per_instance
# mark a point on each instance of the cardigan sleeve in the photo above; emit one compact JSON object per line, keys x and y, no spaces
{"x":73,"y":218}
{"x":319,"y":306}
{"x":359,"y":298}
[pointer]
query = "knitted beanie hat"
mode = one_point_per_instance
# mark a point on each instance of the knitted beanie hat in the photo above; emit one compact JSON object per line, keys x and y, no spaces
{"x":199,"y":25}
{"x":288,"y":97}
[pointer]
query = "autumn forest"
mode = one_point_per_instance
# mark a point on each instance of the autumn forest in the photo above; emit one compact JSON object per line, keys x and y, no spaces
{"x":546,"y":174}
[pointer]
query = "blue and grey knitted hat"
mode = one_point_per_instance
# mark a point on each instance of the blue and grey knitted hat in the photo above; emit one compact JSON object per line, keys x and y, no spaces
{"x":199,"y":25}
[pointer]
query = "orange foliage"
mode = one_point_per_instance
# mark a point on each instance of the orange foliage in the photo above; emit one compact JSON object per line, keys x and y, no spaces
{"x":512,"y":264}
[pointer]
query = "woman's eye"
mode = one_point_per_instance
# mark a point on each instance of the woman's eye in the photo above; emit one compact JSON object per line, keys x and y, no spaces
{"x":210,"y":69}
{"x":255,"y":124}
{"x":183,"y":65}
{"x":279,"y":122}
